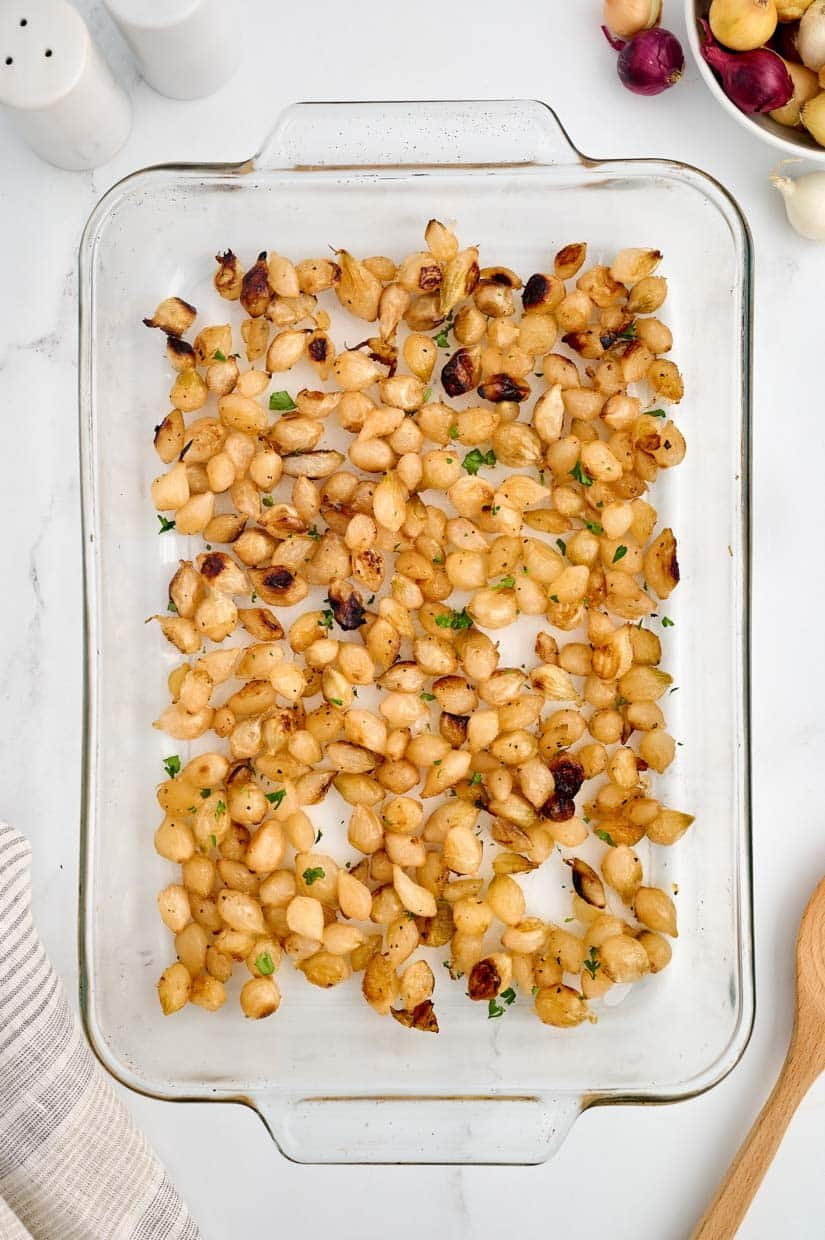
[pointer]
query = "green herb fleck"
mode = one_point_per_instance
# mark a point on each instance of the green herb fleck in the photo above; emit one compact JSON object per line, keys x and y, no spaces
{"x":495,"y":509}
{"x":438,"y":559}
{"x":621,"y":701}
{"x":281,"y":401}
{"x":592,"y":963}
{"x":562,"y":545}
{"x":581,"y":475}
{"x":427,"y":394}
{"x":476,"y":460}
{"x":213,"y":839}
{"x":437,"y":761}
{"x":267,"y":501}
{"x":312,"y":875}
{"x":619,"y":554}
{"x":336,"y":701}
{"x":667,"y":623}
{"x":170,"y":606}
{"x":508,"y":995}
{"x":326,"y":618}
{"x":275,"y":798}
{"x":254,"y":597}
{"x":477,"y":778}
{"x":206,"y":793}
{"x":534,"y":990}
{"x":606,"y":836}
{"x":455,"y":620}
{"x":165,"y":525}
{"x":220,"y":809}
{"x":506,"y":583}
{"x":427,"y":697}
{"x":441,"y":339}
{"x":453,"y":431}
{"x":629,"y":332}
{"x":655,"y":413}
{"x":586,"y":819}
{"x":313,"y":532}
{"x":569,"y":919}
{"x":264,"y":964}
{"x":219,"y":356}
{"x":594,"y":527}
{"x":172,"y":765}
{"x":494,"y":1009}
{"x":541,"y":476}
{"x":554,"y":598}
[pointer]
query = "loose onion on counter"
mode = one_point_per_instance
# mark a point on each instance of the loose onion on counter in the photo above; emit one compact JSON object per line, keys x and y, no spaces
{"x":650,"y":62}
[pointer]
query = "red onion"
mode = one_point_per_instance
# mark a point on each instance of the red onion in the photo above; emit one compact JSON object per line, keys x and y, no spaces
{"x":650,"y":62}
{"x":755,"y":81}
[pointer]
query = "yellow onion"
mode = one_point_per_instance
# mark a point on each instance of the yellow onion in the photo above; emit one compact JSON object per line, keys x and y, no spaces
{"x":805,"y":86}
{"x":812,"y":115}
{"x":628,"y":17}
{"x":791,"y":10}
{"x":743,"y":25}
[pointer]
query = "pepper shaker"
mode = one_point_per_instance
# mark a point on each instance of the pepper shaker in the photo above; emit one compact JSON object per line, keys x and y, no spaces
{"x":185,"y":48}
{"x":57,"y":86}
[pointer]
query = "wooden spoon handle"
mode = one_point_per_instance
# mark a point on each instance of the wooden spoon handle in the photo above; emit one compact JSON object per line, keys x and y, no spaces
{"x":724,"y":1215}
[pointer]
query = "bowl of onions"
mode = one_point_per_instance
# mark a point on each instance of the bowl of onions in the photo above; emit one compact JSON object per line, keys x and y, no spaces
{"x":765,"y":62}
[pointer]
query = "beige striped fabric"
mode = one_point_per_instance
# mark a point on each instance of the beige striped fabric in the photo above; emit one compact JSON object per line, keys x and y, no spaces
{"x":72,"y":1164}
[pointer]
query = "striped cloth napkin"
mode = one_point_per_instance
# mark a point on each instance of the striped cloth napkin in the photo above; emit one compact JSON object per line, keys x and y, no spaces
{"x":72,"y":1164}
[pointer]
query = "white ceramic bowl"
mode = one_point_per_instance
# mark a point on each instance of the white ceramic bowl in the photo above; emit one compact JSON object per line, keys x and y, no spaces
{"x":792,"y":142}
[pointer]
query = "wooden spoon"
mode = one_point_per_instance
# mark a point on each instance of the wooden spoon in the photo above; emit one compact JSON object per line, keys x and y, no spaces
{"x":804,"y":1063}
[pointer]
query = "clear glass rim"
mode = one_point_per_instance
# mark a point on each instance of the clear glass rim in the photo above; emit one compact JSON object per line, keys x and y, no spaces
{"x":736,"y":220}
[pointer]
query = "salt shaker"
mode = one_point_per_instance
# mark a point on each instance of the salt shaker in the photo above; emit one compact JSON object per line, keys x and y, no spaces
{"x":57,"y":86}
{"x":184,"y":48}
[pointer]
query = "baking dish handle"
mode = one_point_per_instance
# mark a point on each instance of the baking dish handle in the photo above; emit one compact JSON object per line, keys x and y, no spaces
{"x":442,"y":133}
{"x":499,"y":1130}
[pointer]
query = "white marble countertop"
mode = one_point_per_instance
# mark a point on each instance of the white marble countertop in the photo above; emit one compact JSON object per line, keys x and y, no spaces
{"x":642,"y":1173}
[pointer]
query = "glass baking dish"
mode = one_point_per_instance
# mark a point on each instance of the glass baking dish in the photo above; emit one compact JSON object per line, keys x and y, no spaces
{"x":332,"y":1081}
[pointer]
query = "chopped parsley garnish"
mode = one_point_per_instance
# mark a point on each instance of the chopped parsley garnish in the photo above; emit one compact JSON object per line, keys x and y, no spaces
{"x":267,"y":501}
{"x":206,"y":793}
{"x":667,"y":623}
{"x":281,"y":401}
{"x":494,"y":1009}
{"x":427,"y":697}
{"x":592,"y":963}
{"x":170,"y":606}
{"x":326,"y":618}
{"x":220,"y":809}
{"x":441,"y":339}
{"x":453,"y":431}
{"x":427,"y":394}
{"x":313,"y":532}
{"x":165,"y":525}
{"x":455,"y":620}
{"x":655,"y":413}
{"x":336,"y":701}
{"x":581,"y":475}
{"x":629,"y":332}
{"x":477,"y":778}
{"x":508,"y":995}
{"x":312,"y":875}
{"x":606,"y":836}
{"x":219,"y":356}
{"x":562,"y":545}
{"x":594,"y":527}
{"x":506,"y":583}
{"x":476,"y":460}
{"x":554,"y":598}
{"x":438,"y":559}
{"x":264,"y":964}
{"x":437,"y":761}
{"x":496,"y":508}
{"x":213,"y":839}
{"x":619,"y":554}
{"x":275,"y":798}
{"x":172,"y":765}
